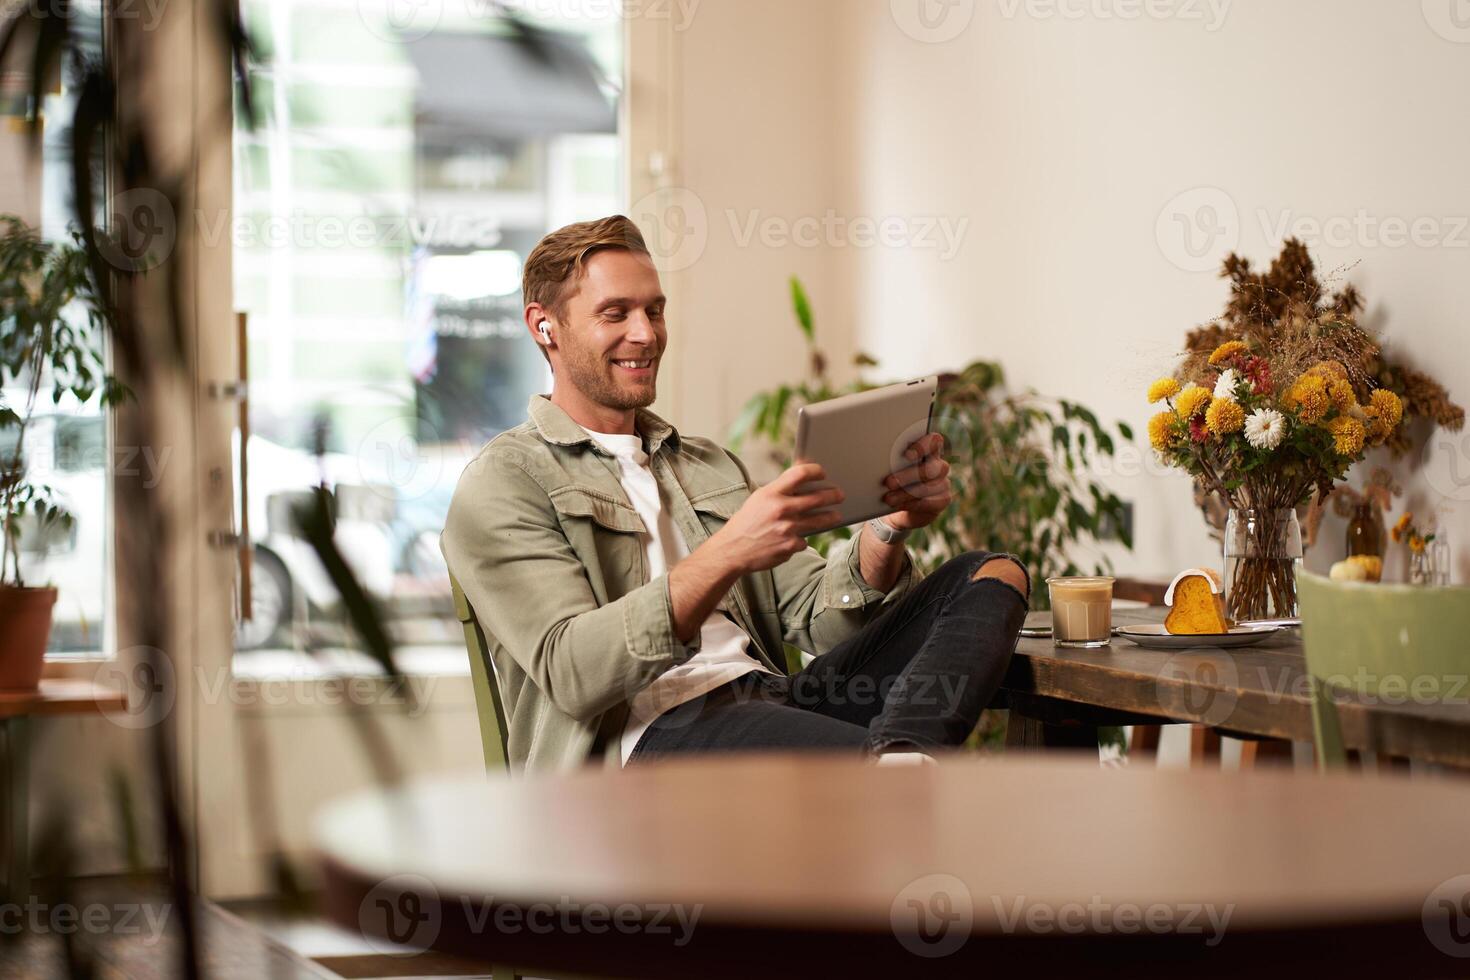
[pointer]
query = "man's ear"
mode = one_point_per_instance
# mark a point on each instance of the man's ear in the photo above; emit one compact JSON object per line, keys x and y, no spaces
{"x":539,"y":322}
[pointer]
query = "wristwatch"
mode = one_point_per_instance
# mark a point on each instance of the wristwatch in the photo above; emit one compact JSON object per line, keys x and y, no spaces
{"x":886,"y":532}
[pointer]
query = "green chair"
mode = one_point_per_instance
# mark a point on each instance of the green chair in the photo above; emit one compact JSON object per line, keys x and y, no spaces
{"x":493,"y":731}
{"x":1361,"y":635}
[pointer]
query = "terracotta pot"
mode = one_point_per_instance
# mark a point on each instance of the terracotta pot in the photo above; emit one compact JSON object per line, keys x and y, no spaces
{"x":25,"y":628}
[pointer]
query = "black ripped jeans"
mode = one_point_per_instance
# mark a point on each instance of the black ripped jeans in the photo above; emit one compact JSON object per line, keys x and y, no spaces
{"x":916,"y":678}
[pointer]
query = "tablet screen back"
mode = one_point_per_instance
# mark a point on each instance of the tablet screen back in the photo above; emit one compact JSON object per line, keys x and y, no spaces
{"x":860,"y":439}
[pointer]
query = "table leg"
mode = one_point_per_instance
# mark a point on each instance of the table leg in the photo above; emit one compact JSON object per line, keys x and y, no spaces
{"x":1032,"y":733}
{"x":16,"y":732}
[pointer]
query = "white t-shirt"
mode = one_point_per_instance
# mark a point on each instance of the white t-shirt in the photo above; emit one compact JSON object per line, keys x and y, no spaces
{"x":721,"y":657}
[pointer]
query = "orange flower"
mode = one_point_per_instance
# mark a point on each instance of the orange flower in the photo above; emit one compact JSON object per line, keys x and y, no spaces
{"x":1402,"y":526}
{"x":1308,"y":395}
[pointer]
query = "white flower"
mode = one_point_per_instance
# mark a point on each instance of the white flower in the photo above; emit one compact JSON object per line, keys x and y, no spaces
{"x":1265,"y":428}
{"x":1225,"y":387}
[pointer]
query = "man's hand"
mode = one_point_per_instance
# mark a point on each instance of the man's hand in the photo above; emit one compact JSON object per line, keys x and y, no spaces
{"x":918,"y":505}
{"x":771,"y":525}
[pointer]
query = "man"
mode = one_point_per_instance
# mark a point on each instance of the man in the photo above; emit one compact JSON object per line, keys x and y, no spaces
{"x":636,"y":587}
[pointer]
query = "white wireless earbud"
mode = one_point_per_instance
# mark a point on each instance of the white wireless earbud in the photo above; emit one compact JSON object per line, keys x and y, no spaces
{"x":545,"y":328}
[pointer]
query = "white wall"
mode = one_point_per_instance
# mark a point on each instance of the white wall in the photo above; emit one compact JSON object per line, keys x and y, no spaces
{"x":1064,"y":139}
{"x":754,"y":118}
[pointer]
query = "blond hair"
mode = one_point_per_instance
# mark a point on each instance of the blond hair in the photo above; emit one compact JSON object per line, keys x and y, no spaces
{"x":560,"y":259}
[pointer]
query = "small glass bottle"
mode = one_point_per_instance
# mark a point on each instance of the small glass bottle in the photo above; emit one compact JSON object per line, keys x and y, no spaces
{"x":1365,"y":532}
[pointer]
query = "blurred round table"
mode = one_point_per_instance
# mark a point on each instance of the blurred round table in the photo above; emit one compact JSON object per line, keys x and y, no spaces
{"x":737,"y":866}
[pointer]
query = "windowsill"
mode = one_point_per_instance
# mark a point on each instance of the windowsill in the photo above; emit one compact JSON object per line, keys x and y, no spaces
{"x":338,"y":663}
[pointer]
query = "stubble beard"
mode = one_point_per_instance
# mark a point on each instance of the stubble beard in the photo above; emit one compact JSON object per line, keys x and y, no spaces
{"x":592,"y":376}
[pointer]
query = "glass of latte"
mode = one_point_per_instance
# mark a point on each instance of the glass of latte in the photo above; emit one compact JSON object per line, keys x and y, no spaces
{"x":1081,"y":610}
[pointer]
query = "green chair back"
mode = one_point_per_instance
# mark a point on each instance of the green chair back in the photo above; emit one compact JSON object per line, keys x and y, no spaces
{"x":1397,"y":641}
{"x":494,"y":735}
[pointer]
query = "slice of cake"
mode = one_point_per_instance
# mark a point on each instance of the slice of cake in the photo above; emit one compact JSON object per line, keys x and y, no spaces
{"x":1196,"y":601}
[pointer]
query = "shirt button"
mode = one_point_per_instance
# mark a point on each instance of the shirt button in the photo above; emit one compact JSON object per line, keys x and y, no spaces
{"x":846,"y":600}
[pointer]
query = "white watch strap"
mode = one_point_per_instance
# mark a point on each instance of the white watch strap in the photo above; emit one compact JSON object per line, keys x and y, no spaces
{"x":886,"y":532}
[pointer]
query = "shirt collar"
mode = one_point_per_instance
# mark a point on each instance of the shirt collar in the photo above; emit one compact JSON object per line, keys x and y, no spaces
{"x":557,"y":427}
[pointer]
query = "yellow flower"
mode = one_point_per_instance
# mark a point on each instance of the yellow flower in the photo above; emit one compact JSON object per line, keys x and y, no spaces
{"x":1161,"y":430}
{"x":1161,"y":389}
{"x":1389,"y":406}
{"x":1192,"y":401}
{"x":1402,"y":526}
{"x":1328,"y":371}
{"x":1348,"y":435}
{"x":1416,"y":544}
{"x":1342,"y":395}
{"x":1228,"y":350}
{"x":1309,"y":396}
{"x":1224,"y":417}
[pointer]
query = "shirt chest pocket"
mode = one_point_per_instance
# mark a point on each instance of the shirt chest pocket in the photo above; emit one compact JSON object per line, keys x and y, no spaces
{"x":607,"y":537}
{"x":716,"y":507}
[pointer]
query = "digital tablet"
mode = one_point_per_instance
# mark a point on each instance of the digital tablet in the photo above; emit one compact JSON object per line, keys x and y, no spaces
{"x":860,"y":440}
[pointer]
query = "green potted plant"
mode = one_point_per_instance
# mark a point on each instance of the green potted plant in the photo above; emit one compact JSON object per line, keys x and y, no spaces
{"x":51,"y":322}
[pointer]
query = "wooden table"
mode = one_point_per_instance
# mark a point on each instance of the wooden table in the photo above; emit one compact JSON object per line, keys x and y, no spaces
{"x":1027,"y":865}
{"x":54,"y":696}
{"x":1059,"y":697}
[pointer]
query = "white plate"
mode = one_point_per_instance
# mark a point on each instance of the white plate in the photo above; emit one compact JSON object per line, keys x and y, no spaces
{"x":1155,"y":636}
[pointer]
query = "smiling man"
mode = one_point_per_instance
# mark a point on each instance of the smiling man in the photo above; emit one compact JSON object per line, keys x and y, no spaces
{"x":636,"y":587}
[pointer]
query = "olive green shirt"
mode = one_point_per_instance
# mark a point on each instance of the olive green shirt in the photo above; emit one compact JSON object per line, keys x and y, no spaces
{"x":547,"y":548}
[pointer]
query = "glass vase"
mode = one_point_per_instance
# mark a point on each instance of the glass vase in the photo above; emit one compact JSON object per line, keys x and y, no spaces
{"x":1430,"y":566}
{"x":1263,"y":550}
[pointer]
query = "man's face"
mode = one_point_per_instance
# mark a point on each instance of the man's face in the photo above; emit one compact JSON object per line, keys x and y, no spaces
{"x":612,"y":335}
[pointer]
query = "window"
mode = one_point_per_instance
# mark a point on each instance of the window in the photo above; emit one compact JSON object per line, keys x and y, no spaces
{"x":66,"y":442}
{"x":398,"y":173}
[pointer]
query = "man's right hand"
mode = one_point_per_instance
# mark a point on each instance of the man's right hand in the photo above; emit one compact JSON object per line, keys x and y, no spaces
{"x":770,"y":526}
